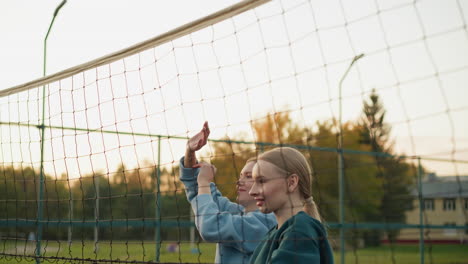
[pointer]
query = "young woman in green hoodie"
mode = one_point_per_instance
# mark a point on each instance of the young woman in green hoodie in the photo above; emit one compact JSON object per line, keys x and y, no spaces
{"x":282,"y":185}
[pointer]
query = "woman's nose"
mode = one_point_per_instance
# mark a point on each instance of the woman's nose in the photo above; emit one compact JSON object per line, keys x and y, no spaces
{"x":253,"y":190}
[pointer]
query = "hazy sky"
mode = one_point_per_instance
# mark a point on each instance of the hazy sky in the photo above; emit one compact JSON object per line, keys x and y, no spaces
{"x":416,"y":56}
{"x":83,"y":30}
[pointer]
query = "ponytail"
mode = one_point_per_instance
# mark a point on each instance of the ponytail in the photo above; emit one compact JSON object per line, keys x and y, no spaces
{"x":311,"y":208}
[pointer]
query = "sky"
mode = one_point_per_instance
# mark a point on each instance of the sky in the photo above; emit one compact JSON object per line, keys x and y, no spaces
{"x":416,"y":57}
{"x":83,"y":30}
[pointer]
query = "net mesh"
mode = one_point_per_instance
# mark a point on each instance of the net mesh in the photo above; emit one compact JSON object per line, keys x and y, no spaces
{"x":108,"y":139}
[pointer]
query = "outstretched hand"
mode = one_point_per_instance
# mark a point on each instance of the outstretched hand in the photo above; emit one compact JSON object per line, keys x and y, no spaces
{"x":199,"y":140}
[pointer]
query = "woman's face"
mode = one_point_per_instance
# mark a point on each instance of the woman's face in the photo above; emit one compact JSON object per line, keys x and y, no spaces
{"x":244,"y":184}
{"x":269,"y":187}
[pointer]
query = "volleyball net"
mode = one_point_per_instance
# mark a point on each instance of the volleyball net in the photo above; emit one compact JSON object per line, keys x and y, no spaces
{"x":89,"y":168}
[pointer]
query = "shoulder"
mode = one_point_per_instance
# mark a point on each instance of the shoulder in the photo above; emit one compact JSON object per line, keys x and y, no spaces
{"x":305,"y":219}
{"x":303,"y":225}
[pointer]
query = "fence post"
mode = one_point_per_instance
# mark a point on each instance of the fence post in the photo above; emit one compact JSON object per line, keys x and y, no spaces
{"x":341,"y":206}
{"x":192,"y":230}
{"x":341,"y":161}
{"x":421,"y":208}
{"x":40,"y":198}
{"x":96,"y":215}
{"x":158,"y":203}
{"x":70,"y":216}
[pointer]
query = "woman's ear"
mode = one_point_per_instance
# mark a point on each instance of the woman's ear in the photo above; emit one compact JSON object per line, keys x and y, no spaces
{"x":293,"y":181}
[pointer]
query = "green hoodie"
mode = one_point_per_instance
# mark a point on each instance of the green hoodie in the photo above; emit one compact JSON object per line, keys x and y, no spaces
{"x":301,"y":239}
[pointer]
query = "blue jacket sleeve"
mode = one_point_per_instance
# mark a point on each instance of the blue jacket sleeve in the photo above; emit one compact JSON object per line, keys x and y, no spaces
{"x":297,"y":247}
{"x":241,"y":231}
{"x":188,"y":176}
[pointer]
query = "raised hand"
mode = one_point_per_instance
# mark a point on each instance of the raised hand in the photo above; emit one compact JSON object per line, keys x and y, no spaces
{"x":199,"y":140}
{"x":196,"y":143}
{"x":205,"y":176}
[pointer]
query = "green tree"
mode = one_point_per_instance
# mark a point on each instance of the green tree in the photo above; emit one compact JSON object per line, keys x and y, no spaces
{"x":19,"y":200}
{"x":395,"y":172}
{"x":229,"y":157}
{"x":278,"y":128}
{"x":361,"y":188}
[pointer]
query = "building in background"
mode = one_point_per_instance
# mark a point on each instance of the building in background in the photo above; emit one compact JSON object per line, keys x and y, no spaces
{"x":445,"y":204}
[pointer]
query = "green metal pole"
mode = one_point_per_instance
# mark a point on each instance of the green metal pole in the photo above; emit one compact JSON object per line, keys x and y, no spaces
{"x":421,"y":208}
{"x":96,"y":215}
{"x":40,"y":203}
{"x":158,"y":202}
{"x":341,"y":200}
{"x":341,"y":162}
{"x":70,"y":216}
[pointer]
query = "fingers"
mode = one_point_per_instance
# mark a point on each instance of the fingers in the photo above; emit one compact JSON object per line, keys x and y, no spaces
{"x":206,"y":129}
{"x":206,"y":132}
{"x":202,"y":136}
{"x":202,"y":164}
{"x":199,"y":140}
{"x":206,"y":165}
{"x":206,"y":174}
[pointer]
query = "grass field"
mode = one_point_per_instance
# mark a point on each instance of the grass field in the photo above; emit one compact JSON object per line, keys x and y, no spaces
{"x":438,"y":254}
{"x":204,"y":253}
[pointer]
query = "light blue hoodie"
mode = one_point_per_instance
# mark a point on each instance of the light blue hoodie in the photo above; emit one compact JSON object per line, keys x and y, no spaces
{"x":219,"y":220}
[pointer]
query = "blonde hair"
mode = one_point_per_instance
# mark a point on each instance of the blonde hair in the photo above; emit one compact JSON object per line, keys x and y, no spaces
{"x":293,"y":162}
{"x":252,"y":159}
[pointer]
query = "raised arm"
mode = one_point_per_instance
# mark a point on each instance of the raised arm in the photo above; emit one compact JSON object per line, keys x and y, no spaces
{"x":189,"y":171}
{"x":231,"y":227}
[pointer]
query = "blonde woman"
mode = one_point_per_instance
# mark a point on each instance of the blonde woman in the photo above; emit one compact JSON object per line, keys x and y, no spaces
{"x":282,"y":185}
